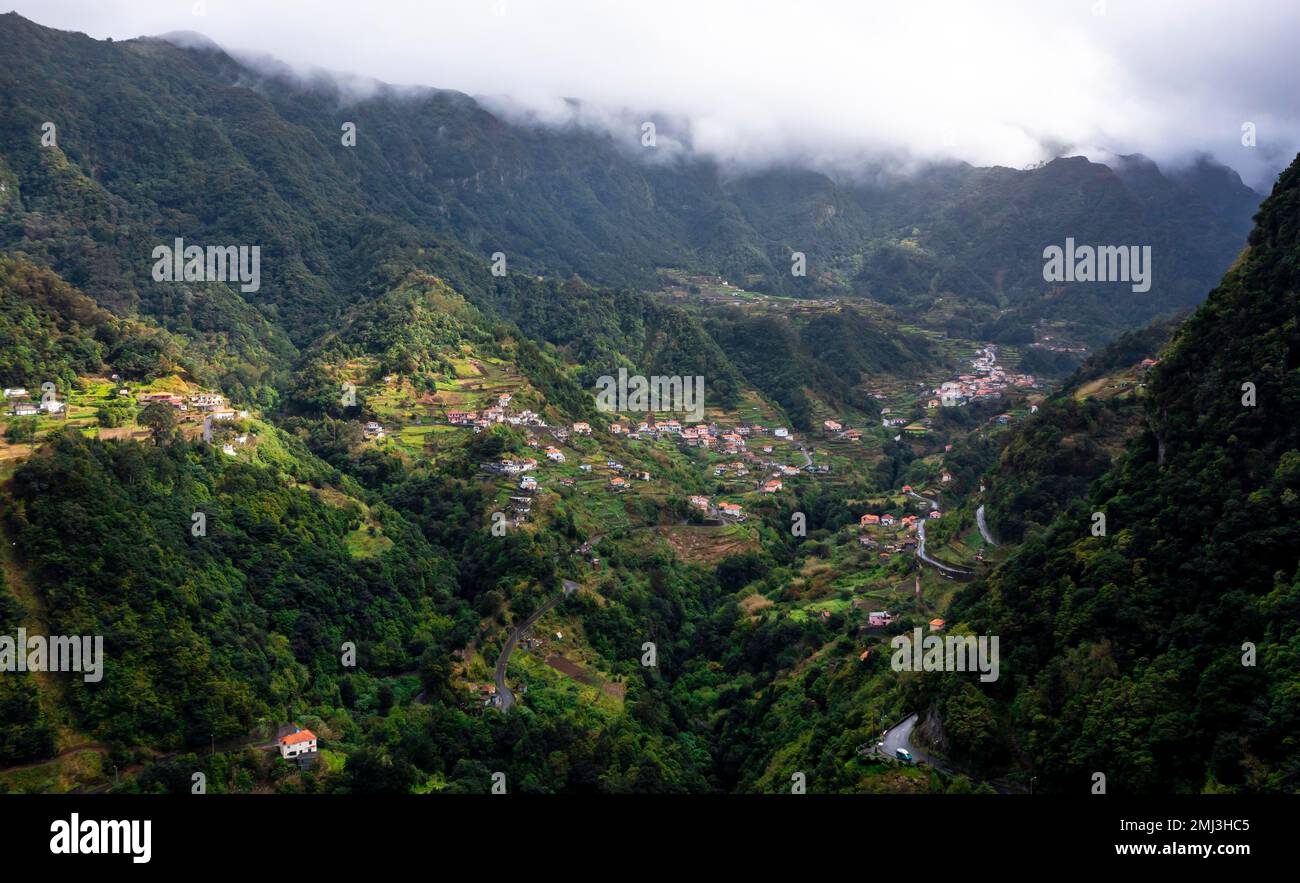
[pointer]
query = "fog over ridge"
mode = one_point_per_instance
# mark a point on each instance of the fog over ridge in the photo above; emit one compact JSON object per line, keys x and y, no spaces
{"x":827,"y":85}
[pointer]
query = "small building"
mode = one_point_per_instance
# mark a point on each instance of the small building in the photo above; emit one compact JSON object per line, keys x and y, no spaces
{"x":165,"y":397}
{"x":771,"y":487}
{"x":582,"y":429}
{"x":26,"y":409}
{"x":946,"y":477}
{"x":936,"y":625}
{"x":833,"y":425}
{"x":15,"y":392}
{"x":297,"y":742}
{"x":206,"y":401}
{"x":869,"y":519}
{"x":781,"y":432}
{"x":935,"y":513}
{"x":880,"y":617}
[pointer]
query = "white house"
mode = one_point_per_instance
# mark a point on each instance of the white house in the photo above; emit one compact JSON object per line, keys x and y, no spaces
{"x":207,"y":401}
{"x":300,"y":742}
{"x":15,"y":392}
{"x":781,"y":432}
{"x":26,"y":409}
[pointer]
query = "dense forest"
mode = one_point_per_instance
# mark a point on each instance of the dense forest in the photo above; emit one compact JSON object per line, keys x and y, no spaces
{"x":1128,"y":651}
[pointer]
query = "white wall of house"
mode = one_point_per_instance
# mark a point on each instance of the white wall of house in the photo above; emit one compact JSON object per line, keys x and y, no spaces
{"x":297,"y":748}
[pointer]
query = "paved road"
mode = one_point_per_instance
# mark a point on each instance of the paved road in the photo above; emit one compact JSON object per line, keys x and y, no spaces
{"x":934,"y":504}
{"x":984,"y":528}
{"x":921,"y":553}
{"x":505,"y":698}
{"x":900,"y":736}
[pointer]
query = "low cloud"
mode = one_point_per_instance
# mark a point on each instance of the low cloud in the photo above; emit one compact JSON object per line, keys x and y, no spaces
{"x":819,"y":83}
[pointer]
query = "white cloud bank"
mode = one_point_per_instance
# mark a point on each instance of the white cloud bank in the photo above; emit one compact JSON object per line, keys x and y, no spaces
{"x":817,"y":81}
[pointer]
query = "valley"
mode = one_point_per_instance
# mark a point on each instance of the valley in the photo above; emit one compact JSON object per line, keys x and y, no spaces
{"x":372,"y":494}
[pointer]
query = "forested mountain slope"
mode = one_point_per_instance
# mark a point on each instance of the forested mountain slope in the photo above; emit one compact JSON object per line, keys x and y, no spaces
{"x":214,"y":145}
{"x":1124,"y":653}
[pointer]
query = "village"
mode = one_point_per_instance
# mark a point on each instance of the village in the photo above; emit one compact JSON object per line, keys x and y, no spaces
{"x":987,"y":382}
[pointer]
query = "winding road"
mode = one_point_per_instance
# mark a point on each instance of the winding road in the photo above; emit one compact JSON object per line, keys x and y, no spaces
{"x":921,"y":554}
{"x":505,"y":698}
{"x":984,"y":528}
{"x":900,"y":736}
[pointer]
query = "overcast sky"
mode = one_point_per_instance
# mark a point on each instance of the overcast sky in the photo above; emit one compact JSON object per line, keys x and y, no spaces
{"x":817,"y":81}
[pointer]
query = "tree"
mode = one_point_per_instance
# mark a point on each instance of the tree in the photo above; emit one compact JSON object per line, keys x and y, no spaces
{"x":21,"y":431}
{"x":160,"y":417}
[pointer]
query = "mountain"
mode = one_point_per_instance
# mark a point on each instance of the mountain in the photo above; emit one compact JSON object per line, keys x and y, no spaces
{"x":346,"y":550}
{"x":216,"y":144}
{"x":1163,"y":653}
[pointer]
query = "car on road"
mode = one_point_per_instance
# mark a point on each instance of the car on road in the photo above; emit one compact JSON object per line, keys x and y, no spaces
{"x":903,"y":754}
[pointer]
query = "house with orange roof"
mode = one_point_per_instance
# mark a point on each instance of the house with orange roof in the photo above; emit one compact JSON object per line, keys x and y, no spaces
{"x":297,"y":742}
